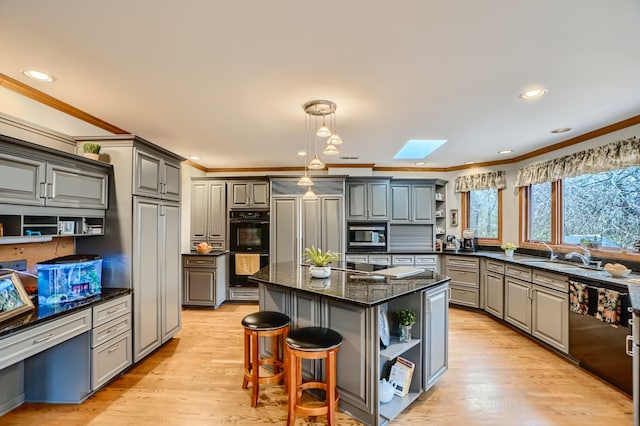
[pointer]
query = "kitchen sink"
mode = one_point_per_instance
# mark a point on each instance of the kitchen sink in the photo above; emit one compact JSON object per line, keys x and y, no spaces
{"x":551,"y":264}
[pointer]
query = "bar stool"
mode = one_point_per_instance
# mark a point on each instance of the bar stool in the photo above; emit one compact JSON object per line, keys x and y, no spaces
{"x":257,"y":325}
{"x":312,"y":343}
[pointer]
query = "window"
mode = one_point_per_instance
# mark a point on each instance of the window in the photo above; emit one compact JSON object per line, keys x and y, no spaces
{"x":483,"y":213}
{"x":604,"y":207}
{"x":540,"y":212}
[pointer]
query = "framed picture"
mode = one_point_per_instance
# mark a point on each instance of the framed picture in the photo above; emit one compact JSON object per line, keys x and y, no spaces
{"x":14,"y":299}
{"x":453,"y":215}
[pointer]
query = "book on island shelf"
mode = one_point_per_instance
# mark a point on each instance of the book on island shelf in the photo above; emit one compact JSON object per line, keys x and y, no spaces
{"x":401,"y":373}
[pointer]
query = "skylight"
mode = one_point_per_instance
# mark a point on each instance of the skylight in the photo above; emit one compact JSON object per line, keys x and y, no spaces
{"x":417,"y":149}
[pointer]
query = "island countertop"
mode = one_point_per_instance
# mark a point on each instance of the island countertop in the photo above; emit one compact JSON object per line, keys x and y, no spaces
{"x":347,"y":286}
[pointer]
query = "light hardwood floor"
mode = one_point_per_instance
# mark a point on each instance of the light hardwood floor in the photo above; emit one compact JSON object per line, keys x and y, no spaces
{"x":496,"y":377}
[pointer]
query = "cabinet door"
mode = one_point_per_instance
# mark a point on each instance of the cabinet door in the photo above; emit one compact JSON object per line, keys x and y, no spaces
{"x":378,"y":202}
{"x":550,"y":320}
{"x":436,"y":346}
{"x":171,"y":181}
{"x":356,"y":201}
{"x":284,"y":230}
{"x":217,"y":211}
{"x":494,"y":288}
{"x":260,"y":194}
{"x":517,"y":309}
{"x":332,"y":223}
{"x":147,"y":241}
{"x":148,"y":174}
{"x":239,"y":194}
{"x":199,"y":210}
{"x":74,"y":187}
{"x":311,"y":224}
{"x":422,"y":203}
{"x":199,"y":287}
{"x":171,"y":271}
{"x":21,"y":180}
{"x":400,"y":207}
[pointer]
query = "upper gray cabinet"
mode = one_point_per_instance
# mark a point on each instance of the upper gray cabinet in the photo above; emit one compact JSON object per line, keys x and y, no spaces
{"x":29,"y":176}
{"x":248,"y":194}
{"x":412,"y":202}
{"x":208,"y":213}
{"x":368,"y":200}
{"x":156,"y":176}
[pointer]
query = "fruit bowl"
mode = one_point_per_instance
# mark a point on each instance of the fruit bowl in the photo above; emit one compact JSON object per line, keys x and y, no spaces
{"x":617,"y":270}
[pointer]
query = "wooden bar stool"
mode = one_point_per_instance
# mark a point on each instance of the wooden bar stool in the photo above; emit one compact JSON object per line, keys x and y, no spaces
{"x":257,"y":325}
{"x":312,"y":343}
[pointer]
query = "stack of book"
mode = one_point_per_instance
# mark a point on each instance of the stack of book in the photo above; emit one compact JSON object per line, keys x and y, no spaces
{"x":401,"y":373}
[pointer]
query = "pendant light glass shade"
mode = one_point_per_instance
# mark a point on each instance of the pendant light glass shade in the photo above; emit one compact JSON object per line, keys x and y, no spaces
{"x":323,"y":132}
{"x":309,"y":195}
{"x":305,"y":181}
{"x":334,"y":139}
{"x":315,"y":163}
{"x":331,"y":149}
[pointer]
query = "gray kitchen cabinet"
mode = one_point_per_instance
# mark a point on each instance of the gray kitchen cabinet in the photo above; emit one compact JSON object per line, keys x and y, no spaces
{"x":208,"y":213}
{"x":143,"y":251}
{"x":493,"y":285}
{"x":412,"y":202}
{"x":550,"y":317}
{"x":156,"y":175}
{"x":517,"y":310}
{"x":253,"y":194}
{"x":368,"y":200}
{"x":204,"y":280}
{"x":436,"y":334}
{"x":52,"y":181}
{"x":323,"y":223}
{"x":465,"y":283}
{"x":285,"y":229}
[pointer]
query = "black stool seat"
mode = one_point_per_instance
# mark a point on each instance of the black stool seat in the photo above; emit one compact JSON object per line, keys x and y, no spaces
{"x":313,"y":339}
{"x":265,"y":320}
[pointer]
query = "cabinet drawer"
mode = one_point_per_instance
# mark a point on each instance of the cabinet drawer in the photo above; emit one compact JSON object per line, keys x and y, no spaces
{"x":22,"y":345}
{"x":427,"y":260}
{"x":110,"y":358}
{"x":108,"y":311}
{"x":465,"y":296}
{"x":519,"y":272}
{"x":495,"y":266}
{"x":379,"y":259}
{"x":551,"y":280}
{"x":357,"y":258}
{"x":463,"y":276}
{"x":463,"y":262}
{"x":402,"y":260}
{"x":107,"y":331}
{"x":200,"y":261}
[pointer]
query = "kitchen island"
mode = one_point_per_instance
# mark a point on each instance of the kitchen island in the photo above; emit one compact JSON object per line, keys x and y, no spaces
{"x":360,"y":307}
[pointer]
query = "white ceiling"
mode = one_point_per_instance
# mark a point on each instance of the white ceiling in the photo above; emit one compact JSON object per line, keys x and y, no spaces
{"x":226,"y":80}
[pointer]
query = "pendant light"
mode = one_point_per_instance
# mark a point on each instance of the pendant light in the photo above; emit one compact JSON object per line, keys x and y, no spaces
{"x":306,"y":180}
{"x":334,"y":139}
{"x":315,"y":164}
{"x":323,"y":131}
{"x":309,"y":195}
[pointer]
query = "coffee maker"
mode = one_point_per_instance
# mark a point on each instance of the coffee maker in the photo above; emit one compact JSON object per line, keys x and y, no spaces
{"x":469,"y":240}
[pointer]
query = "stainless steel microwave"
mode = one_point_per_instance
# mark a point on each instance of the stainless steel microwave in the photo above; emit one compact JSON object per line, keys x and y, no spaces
{"x":367,"y":236}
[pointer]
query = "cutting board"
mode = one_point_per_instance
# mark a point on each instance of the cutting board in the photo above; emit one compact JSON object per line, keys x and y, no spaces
{"x":399,"y":271}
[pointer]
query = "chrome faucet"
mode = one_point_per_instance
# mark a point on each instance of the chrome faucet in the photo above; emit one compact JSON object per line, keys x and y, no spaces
{"x":586,"y":258}
{"x":552,"y":256}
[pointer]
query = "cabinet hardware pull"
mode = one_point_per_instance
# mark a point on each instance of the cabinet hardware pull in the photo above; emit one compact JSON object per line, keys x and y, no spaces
{"x":114,"y":348}
{"x":43,"y":189}
{"x":114,"y":329}
{"x":44,"y":339}
{"x":112,"y":311}
{"x":629,"y":345}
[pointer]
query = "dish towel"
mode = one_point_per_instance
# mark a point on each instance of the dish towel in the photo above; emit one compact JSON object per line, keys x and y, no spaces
{"x":579,"y":297}
{"x":247,"y":263}
{"x":608,"y":306}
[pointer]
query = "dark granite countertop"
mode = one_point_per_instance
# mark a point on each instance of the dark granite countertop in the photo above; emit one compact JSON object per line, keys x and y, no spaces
{"x":350,"y":287}
{"x":211,"y":253}
{"x":42,"y":314}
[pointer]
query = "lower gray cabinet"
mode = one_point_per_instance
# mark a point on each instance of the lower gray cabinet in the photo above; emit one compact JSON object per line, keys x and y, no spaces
{"x":494,"y":293}
{"x":203,"y":280}
{"x":436,"y":334}
{"x":517,"y":309}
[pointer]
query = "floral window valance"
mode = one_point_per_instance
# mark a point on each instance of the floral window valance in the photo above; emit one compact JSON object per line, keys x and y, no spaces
{"x":613,"y":156}
{"x":490,"y":180}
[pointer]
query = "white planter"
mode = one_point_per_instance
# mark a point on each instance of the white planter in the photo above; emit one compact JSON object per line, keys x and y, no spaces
{"x":509,"y":253}
{"x":320,"y":271}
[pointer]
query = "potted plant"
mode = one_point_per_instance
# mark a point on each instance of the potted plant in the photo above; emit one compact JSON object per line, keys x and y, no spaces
{"x":91,"y":150}
{"x":508,"y":248}
{"x":406,"y":319}
{"x":319,"y":261}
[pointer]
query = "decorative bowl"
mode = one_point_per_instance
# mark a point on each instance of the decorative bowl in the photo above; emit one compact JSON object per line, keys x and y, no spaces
{"x":618,"y":273}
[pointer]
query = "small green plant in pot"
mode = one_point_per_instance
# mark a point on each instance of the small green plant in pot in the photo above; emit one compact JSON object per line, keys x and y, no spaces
{"x":319,"y":261}
{"x":406,"y":319}
{"x":91,"y":150}
{"x":508,"y":249}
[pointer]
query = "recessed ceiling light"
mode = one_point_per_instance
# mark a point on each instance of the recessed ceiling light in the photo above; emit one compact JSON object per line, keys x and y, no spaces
{"x":194,"y":157}
{"x":416,"y":149}
{"x":301,"y":153}
{"x":506,"y":151}
{"x":533,"y":93}
{"x":419,"y":163}
{"x":39,"y":75}
{"x":561,"y":130}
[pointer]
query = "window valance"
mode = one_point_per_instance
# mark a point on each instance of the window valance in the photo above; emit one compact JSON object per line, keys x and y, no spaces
{"x":605,"y":158}
{"x":490,"y":180}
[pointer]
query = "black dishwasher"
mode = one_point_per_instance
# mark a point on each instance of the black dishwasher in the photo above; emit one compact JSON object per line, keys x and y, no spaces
{"x":597,"y":339}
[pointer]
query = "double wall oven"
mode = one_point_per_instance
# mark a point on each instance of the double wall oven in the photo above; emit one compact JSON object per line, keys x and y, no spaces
{"x":249,"y":250}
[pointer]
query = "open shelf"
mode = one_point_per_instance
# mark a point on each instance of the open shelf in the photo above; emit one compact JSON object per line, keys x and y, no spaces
{"x":397,"y":348}
{"x":397,"y":405}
